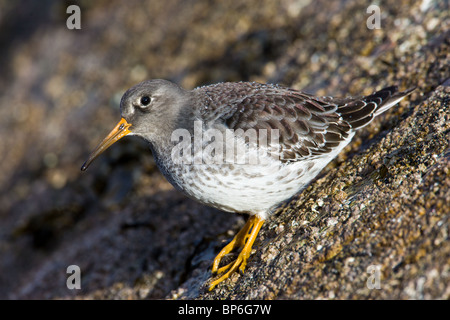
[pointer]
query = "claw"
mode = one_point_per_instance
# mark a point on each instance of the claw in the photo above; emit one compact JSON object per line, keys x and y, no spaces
{"x":245,"y":238}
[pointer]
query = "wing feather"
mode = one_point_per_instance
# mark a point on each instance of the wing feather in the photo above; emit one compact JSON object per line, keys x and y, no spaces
{"x":308,"y":126}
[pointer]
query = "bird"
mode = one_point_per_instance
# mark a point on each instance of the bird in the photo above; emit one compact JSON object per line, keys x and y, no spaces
{"x":242,"y":147}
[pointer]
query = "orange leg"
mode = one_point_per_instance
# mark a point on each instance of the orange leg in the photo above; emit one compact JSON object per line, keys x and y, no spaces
{"x":245,"y":238}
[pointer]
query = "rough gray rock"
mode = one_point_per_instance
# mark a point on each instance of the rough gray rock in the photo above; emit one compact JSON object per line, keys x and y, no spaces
{"x":384,"y":202}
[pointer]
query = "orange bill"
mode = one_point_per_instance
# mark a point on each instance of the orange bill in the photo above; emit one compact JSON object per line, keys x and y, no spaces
{"x":120,"y":131}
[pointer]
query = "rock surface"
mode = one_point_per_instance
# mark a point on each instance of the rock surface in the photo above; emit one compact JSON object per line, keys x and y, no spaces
{"x":377,"y":215}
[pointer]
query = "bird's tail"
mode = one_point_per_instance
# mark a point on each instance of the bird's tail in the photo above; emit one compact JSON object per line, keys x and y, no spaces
{"x":360,"y":112}
{"x":388,"y":98}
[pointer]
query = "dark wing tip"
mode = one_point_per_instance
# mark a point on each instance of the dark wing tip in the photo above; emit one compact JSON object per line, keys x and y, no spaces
{"x":393,"y":92}
{"x":406,"y":92}
{"x":360,"y":112}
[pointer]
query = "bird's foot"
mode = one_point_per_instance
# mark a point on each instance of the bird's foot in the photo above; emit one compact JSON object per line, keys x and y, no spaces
{"x":244,"y":239}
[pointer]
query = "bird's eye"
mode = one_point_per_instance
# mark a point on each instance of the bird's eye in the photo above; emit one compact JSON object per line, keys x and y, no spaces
{"x":145,"y":100}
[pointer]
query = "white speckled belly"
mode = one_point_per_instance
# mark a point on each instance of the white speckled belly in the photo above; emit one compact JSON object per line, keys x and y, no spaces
{"x":246,"y":188}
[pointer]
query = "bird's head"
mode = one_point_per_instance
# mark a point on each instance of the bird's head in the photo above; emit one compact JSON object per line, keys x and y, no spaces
{"x":148,"y":109}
